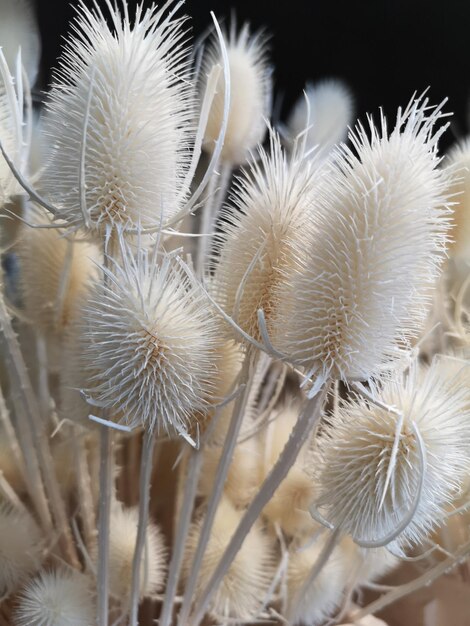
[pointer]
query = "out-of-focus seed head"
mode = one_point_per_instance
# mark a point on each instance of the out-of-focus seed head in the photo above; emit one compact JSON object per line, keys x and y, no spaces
{"x":19,"y":29}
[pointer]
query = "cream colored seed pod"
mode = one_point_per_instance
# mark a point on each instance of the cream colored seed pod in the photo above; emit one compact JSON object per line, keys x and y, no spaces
{"x":289,"y":507}
{"x":250,"y":95}
{"x":244,"y":587}
{"x":311,"y":605}
{"x":55,"y":276}
{"x":21,"y":546}
{"x":60,"y":598}
{"x":123,"y":533}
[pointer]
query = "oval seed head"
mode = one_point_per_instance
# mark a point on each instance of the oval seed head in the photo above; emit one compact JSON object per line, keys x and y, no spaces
{"x":60,"y":598}
{"x":122,"y":538}
{"x":327,"y":115}
{"x":271,"y":202}
{"x":149,"y":342}
{"x":19,"y":29}
{"x":372,"y":255}
{"x":55,"y":276}
{"x":357,"y":448}
{"x":459,"y":163}
{"x":250,"y":95}
{"x":324,"y":594}
{"x":21,"y":546}
{"x":130,"y":84}
{"x":244,"y":587}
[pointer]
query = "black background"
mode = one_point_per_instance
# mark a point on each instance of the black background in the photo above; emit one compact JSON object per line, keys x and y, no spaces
{"x":384,"y":49}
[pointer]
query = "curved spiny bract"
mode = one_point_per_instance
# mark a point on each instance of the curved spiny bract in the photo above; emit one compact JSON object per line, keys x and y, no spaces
{"x":250,"y":95}
{"x":149,"y":342}
{"x":372,"y":256}
{"x":356,"y":451}
{"x":132,"y":81}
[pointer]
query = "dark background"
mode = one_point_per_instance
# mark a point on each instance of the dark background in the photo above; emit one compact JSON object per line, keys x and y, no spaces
{"x":385,"y":50}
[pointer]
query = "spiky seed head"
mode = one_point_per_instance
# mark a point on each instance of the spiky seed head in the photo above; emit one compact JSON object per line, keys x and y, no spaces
{"x":21,"y":546}
{"x":459,"y":163}
{"x":250,"y":94}
{"x":373,"y":253}
{"x":357,"y":448}
{"x":50,"y":263}
{"x":19,"y":29}
{"x":56,"y":598}
{"x":325,"y":593}
{"x":122,"y":538}
{"x":138,"y":131}
{"x":331,"y":112}
{"x":241,"y":592}
{"x":270,"y":204}
{"x":149,"y":342}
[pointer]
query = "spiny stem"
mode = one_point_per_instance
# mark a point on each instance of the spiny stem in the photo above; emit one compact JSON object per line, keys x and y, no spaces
{"x":144,"y":499}
{"x":87,"y":507}
{"x":106,"y":482}
{"x":216,"y":494}
{"x":300,"y":432}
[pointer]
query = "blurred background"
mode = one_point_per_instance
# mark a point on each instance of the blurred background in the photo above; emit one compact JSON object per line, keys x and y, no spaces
{"x":383,"y":49}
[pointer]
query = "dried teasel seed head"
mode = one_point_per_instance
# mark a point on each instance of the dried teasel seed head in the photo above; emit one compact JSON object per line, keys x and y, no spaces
{"x":372,"y":256}
{"x":21,"y":546}
{"x":130,"y":83}
{"x":356,"y":452}
{"x":250,"y":94}
{"x":55,"y":276}
{"x":56,"y":598}
{"x":19,"y":29}
{"x":326,"y":109}
{"x":314,"y":603}
{"x":241,"y":592}
{"x":271,"y":201}
{"x":122,"y":538}
{"x":149,"y":342}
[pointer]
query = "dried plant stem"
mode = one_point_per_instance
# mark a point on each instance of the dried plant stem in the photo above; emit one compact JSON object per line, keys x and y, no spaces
{"x":189,"y":496}
{"x":210,"y":211}
{"x":303,"y":427}
{"x":7,"y":492}
{"x":106,"y":482}
{"x":11,"y":438}
{"x":84,"y":488}
{"x":217,"y":489}
{"x":20,"y":375}
{"x":144,"y":499}
{"x":418,"y":583}
{"x":43,"y":377}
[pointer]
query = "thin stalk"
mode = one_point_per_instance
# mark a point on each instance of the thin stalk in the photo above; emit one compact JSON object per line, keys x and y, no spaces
{"x":11,"y":438}
{"x":9,"y":494}
{"x":43,"y":377}
{"x":216,"y":494}
{"x":192,"y":479}
{"x":144,"y":499}
{"x":19,"y":375}
{"x":106,"y":482}
{"x":84,"y":489}
{"x":303,"y":427}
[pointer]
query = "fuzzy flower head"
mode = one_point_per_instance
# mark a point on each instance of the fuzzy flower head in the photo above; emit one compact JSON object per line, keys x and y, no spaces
{"x":269,"y":207}
{"x":250,"y":95}
{"x":149,"y":340}
{"x":21,"y":546}
{"x":60,"y":598}
{"x":326,"y":109}
{"x":373,"y":253}
{"x":357,"y":449}
{"x":118,"y":121}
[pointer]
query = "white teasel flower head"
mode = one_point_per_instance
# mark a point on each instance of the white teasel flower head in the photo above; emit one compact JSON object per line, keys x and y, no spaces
{"x":123,"y":95}
{"x":56,"y":598}
{"x":122,"y":538}
{"x":270,"y":205}
{"x":150,"y":340}
{"x":19,"y":29}
{"x":373,"y":254}
{"x":246,"y":583}
{"x":250,"y":94}
{"x":357,"y":448}
{"x":326,"y":109}
{"x":21,"y":547}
